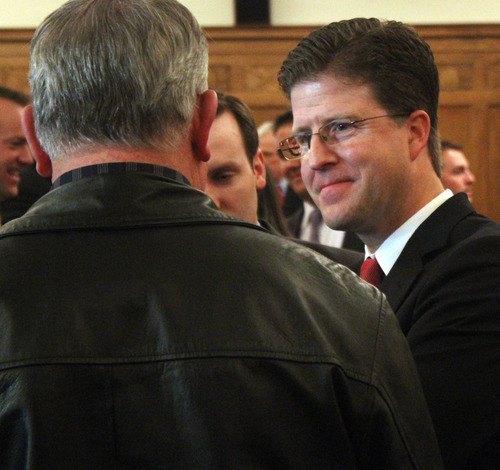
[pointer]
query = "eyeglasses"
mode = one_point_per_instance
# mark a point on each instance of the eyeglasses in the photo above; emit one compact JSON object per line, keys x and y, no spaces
{"x":333,"y":132}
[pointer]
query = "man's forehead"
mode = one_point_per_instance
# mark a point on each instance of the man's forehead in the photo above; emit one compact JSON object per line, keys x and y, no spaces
{"x":454,"y":155}
{"x":327,"y":98}
{"x":10,"y":116}
{"x":284,"y":131}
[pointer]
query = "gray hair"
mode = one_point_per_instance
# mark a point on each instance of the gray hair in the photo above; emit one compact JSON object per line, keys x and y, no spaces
{"x":122,"y":73}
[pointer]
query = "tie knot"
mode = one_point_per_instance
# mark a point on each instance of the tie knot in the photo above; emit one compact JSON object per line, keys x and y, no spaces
{"x":372,"y":272}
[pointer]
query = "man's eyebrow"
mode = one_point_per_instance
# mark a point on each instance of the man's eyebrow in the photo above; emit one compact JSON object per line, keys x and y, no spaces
{"x":301,"y":130}
{"x":224,"y":167}
{"x":307,"y":129}
{"x":16,"y":139}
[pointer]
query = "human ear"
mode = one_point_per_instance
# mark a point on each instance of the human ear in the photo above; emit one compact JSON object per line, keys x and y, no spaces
{"x":202,"y":122}
{"x":419,"y":126}
{"x":259,"y":168}
{"x":43,"y":163}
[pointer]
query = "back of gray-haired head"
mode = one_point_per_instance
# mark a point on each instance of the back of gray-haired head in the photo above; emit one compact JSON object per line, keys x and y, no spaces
{"x":120,"y":73}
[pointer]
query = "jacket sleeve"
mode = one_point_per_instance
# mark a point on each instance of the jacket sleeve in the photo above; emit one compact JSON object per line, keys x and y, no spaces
{"x":399,"y":432}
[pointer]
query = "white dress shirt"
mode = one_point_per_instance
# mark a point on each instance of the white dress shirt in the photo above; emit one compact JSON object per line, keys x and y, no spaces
{"x":389,"y":251}
{"x":327,"y":236}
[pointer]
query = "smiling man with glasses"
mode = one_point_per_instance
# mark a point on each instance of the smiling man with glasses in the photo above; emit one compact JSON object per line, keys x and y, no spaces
{"x":364,"y":95}
{"x":333,"y":132}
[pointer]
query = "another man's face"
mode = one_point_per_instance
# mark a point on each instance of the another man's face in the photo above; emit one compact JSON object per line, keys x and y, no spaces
{"x":456,"y":172}
{"x":292,"y":167}
{"x":269,"y":146}
{"x":232,"y":182}
{"x":14,"y":151}
{"x":357,"y":183}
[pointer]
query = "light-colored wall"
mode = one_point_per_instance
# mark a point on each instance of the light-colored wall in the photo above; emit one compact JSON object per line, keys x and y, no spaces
{"x":298,"y":12}
{"x":29,"y":13}
{"x":25,"y":13}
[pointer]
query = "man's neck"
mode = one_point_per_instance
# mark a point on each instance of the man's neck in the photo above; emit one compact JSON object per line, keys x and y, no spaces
{"x":387,"y":227}
{"x":180,"y":161}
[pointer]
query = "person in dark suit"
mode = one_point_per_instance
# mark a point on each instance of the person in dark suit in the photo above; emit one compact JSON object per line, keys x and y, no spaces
{"x":456,"y":172}
{"x":350,"y":240}
{"x":364,"y":95}
{"x":143,"y":328}
{"x":291,"y":200}
{"x":303,"y":217}
{"x":14,"y":152}
{"x":238,"y":181}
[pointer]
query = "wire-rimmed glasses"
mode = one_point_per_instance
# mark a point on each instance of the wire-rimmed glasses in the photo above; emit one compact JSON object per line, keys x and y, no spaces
{"x":333,"y":132}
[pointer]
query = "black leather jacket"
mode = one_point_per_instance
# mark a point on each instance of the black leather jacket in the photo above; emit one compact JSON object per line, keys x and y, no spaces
{"x":140,"y":328}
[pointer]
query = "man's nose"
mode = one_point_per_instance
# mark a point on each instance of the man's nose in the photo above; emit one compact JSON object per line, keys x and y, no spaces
{"x":25,"y":157}
{"x":470,"y":176}
{"x":320,"y":154}
{"x":291,"y":165}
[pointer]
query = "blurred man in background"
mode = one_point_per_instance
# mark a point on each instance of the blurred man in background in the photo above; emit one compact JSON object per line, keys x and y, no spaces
{"x":456,"y":172}
{"x":14,"y":152}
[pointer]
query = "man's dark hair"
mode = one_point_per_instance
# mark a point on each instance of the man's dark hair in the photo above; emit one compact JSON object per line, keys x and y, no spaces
{"x":388,"y":56}
{"x":245,"y":120}
{"x":446,"y":144}
{"x":15,"y":96}
{"x":282,"y":119}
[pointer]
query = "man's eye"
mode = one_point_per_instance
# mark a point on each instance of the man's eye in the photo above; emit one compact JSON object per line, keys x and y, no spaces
{"x":340,"y":126}
{"x":223,"y":177}
{"x":17,"y":143}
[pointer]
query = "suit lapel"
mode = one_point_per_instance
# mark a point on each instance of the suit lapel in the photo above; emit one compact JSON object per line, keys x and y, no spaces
{"x":353,"y":242}
{"x":430,"y":238}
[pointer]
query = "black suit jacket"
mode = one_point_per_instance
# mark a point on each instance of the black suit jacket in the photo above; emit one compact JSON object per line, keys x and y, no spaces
{"x":292,"y":202}
{"x":445,"y":291}
{"x":351,"y":240}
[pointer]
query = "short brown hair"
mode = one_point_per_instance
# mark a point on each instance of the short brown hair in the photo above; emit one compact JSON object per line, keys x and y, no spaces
{"x":245,"y":120}
{"x":15,"y":96}
{"x":388,"y":56}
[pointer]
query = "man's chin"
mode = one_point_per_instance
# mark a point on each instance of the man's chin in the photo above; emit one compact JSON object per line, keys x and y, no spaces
{"x":336,"y":222}
{"x":8,"y":194}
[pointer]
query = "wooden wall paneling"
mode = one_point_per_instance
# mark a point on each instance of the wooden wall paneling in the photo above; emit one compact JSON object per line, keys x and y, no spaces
{"x":460,"y":113}
{"x":492,"y":178}
{"x":244,"y":61}
{"x":468,"y":62}
{"x":14,"y":63}
{"x":254,"y":56}
{"x":492,"y":134}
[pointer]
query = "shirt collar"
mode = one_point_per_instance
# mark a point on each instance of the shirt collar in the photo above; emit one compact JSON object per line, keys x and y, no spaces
{"x":117,"y":167}
{"x":389,"y":251}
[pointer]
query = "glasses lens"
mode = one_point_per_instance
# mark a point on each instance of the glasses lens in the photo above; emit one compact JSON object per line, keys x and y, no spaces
{"x":291,"y":148}
{"x":336,"y":131}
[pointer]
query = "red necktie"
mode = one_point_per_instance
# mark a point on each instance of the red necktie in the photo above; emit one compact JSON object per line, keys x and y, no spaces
{"x":372,"y":272}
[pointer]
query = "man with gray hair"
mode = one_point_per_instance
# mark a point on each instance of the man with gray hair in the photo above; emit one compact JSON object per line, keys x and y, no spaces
{"x":140,"y":327}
